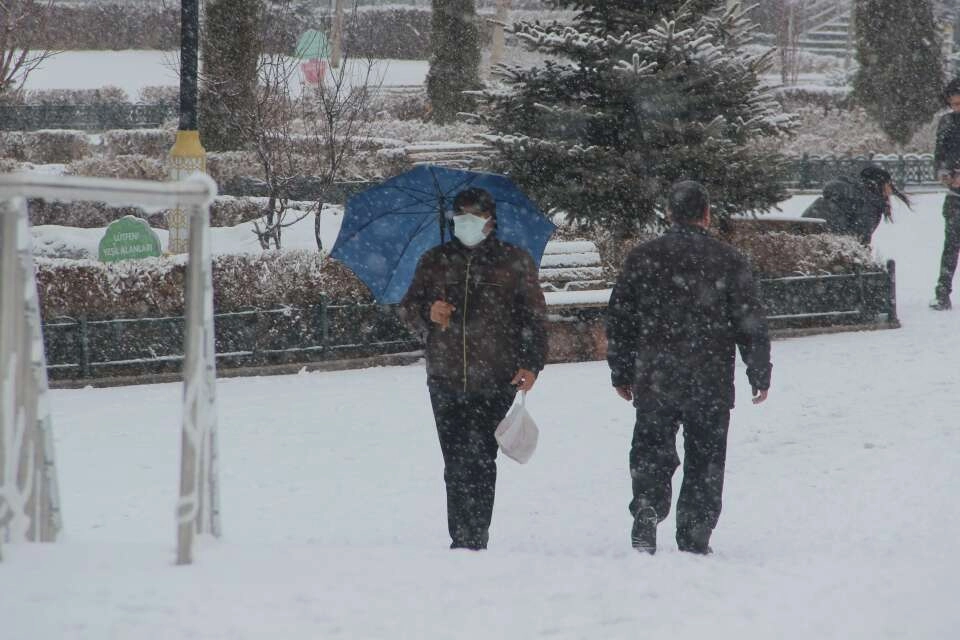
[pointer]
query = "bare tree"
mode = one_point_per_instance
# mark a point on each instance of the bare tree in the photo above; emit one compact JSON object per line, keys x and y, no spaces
{"x":335,"y":116}
{"x":789,"y":25}
{"x":22,"y":24}
{"x":301,"y":134}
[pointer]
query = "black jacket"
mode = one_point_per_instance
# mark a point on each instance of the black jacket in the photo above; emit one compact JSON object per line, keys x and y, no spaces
{"x":680,"y":306}
{"x":849,"y":207}
{"x":498,"y":325}
{"x":946,"y":155}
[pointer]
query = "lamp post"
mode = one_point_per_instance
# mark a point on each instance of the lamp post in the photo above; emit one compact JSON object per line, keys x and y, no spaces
{"x":187,"y":154}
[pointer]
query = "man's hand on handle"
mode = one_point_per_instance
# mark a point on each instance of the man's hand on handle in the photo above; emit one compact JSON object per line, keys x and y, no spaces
{"x":524,"y":379}
{"x":625,"y":392}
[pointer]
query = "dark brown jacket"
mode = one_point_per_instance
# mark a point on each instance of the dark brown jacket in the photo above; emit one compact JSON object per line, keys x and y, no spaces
{"x":498,"y":325}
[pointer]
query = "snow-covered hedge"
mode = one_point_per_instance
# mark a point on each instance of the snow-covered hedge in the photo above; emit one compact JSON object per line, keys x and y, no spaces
{"x":779,"y":253}
{"x":135,"y":167}
{"x":225,"y":211}
{"x":149,"y":142}
{"x":375,"y":32}
{"x":162,"y":94}
{"x":155,"y":286}
{"x":772,"y":253}
{"x":108,"y":94}
{"x":51,"y":146}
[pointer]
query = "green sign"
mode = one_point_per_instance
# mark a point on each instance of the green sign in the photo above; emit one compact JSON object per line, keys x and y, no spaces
{"x":312,"y":45}
{"x":129,"y":238}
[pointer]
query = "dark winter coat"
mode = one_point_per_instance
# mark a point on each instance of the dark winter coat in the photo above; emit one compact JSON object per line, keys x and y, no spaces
{"x":946,"y":154}
{"x":849,"y":207}
{"x":498,"y":324}
{"x":681,"y":305}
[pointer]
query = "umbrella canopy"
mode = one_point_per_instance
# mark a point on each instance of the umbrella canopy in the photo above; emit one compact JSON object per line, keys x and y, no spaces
{"x":388,"y":227}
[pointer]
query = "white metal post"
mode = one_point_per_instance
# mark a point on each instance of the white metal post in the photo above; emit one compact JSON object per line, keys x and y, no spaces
{"x":199,"y":506}
{"x":29,"y":501}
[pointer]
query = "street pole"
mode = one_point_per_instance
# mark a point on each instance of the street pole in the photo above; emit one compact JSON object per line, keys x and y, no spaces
{"x":187,"y":154}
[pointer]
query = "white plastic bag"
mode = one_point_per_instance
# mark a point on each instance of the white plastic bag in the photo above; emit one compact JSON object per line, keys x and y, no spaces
{"x":517,"y":433}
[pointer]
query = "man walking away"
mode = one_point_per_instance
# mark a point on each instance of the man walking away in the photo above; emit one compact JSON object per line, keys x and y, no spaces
{"x":946,"y":159}
{"x":681,"y":305}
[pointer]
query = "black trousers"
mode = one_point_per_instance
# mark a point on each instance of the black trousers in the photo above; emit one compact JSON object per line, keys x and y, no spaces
{"x":951,"y":246}
{"x":653,"y":461}
{"x":465,"y":424}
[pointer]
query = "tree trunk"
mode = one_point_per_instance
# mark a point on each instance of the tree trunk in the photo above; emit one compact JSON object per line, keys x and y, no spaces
{"x":231,"y":47}
{"x":455,"y":61}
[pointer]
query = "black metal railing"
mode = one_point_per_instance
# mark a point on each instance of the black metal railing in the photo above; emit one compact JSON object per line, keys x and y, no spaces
{"x":812,"y":171}
{"x":92,"y":348}
{"x":79,"y":348}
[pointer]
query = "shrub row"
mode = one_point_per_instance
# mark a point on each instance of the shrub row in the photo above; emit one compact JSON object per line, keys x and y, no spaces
{"x":225,"y":211}
{"x":62,"y":146}
{"x":382,"y":32}
{"x":270,"y":279}
{"x":162,"y":94}
{"x":155,"y":286}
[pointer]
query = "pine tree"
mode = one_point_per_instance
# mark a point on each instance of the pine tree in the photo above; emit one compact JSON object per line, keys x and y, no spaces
{"x":900,"y":75}
{"x":455,"y":60}
{"x":618,"y":16}
{"x":604,"y":129}
{"x":231,"y":43}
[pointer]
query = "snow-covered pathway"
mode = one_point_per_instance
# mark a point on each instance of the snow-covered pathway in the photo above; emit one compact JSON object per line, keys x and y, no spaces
{"x":839,"y":521}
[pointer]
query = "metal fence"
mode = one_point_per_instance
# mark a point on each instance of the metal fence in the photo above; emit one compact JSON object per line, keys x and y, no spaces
{"x":95,"y":348}
{"x":81,"y":348}
{"x":812,"y":171}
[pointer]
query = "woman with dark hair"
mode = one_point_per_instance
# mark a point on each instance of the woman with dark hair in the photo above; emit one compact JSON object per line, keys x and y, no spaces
{"x":855,"y":206}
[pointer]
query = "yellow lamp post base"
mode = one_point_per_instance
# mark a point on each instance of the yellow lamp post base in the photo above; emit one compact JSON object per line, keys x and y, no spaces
{"x":186,"y":157}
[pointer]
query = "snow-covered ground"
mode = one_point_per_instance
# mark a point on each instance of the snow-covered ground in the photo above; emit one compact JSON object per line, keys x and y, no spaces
{"x":840,"y":513}
{"x":134,"y":70}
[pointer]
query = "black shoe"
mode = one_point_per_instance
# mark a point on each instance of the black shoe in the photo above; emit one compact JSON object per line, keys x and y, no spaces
{"x":700,"y":549}
{"x":472,"y":546}
{"x":694,"y":540}
{"x":941,"y":304}
{"x":643,"y":535}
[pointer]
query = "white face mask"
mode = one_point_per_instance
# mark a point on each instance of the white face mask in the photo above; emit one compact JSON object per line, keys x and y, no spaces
{"x":469,"y":229}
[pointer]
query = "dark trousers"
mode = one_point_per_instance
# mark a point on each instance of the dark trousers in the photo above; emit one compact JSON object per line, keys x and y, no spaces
{"x":951,"y":246}
{"x":653,"y":460}
{"x":465,"y":424}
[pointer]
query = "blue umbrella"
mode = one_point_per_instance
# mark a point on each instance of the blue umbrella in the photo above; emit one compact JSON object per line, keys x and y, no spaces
{"x":387,"y":228}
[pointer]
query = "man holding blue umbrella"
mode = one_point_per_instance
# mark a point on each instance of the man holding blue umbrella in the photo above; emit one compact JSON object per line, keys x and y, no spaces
{"x":477,"y":302}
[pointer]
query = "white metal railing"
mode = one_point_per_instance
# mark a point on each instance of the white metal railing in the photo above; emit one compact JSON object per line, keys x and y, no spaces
{"x":29,"y":501}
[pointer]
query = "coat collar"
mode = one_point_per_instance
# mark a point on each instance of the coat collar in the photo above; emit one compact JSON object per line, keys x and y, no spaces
{"x":679,"y":227}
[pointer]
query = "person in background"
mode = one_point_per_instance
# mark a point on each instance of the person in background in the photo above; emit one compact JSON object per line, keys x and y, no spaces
{"x":681,"y":306}
{"x":946,"y":160}
{"x":854,"y":206}
{"x":477,"y":302}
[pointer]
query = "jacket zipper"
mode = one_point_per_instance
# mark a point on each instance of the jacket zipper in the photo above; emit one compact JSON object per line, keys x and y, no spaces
{"x":466,"y":297}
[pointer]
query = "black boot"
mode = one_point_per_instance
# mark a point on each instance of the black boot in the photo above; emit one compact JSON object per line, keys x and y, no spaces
{"x":643,"y":535}
{"x":694,"y":540}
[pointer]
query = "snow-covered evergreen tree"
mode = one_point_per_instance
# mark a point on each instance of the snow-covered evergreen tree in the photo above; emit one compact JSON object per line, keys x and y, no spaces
{"x":617,"y":16}
{"x":900,"y":75}
{"x":604,"y":128}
